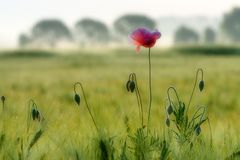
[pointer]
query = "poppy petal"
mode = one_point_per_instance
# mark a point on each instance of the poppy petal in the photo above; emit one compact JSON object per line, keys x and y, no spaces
{"x":138,"y":48}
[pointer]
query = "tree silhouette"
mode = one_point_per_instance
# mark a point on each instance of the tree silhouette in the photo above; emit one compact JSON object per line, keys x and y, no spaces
{"x":185,"y":35}
{"x":90,"y":30}
{"x":209,"y":35}
{"x":231,"y":24}
{"x":127,"y":23}
{"x":23,"y":40}
{"x":50,"y":32}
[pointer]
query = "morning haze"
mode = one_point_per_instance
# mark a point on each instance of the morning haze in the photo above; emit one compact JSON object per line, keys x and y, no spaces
{"x":20,"y":16}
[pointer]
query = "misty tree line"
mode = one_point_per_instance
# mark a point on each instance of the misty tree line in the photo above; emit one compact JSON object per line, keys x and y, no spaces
{"x":90,"y":31}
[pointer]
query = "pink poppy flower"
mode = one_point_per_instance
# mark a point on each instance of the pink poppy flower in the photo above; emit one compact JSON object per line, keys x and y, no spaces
{"x":144,"y":37}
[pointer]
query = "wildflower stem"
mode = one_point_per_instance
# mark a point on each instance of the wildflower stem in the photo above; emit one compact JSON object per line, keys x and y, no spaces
{"x":210,"y":129}
{"x":169,"y":99}
{"x":31,"y":104}
{"x":139,"y":99}
{"x":85,"y":99}
{"x":194,"y":87}
{"x":150,"y":87}
{"x":201,"y":114}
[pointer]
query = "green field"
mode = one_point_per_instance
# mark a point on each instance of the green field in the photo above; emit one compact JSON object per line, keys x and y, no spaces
{"x":68,"y":132}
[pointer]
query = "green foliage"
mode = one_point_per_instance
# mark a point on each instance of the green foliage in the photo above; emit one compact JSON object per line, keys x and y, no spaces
{"x":141,"y":146}
{"x":208,"y":50}
{"x":36,"y":137}
{"x":27,"y":54}
{"x":185,"y":128}
{"x":69,"y":132}
{"x":104,"y":147}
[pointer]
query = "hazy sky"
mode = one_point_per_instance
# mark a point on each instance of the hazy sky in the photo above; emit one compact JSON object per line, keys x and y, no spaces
{"x":18,"y":16}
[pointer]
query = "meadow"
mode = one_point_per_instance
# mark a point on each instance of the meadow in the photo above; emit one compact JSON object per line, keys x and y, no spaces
{"x":67,"y":131}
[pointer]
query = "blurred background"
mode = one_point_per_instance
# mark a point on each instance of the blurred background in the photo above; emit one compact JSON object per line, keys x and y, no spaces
{"x":76,"y":24}
{"x":48,"y":45}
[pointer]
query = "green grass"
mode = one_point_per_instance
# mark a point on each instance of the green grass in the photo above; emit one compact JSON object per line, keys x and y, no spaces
{"x":67,"y":131}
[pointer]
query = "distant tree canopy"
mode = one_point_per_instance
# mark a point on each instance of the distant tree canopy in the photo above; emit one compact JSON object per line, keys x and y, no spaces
{"x":23,"y":40}
{"x":185,"y":35}
{"x":209,"y":35}
{"x":89,"y":30}
{"x":50,"y":31}
{"x":125,"y":24}
{"x":231,"y":24}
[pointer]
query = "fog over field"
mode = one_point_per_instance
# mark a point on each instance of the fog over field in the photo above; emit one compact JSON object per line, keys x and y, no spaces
{"x":19,"y":16}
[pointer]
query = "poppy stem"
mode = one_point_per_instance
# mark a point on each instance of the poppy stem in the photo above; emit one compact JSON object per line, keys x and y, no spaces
{"x":150,"y":87}
{"x":139,"y":99}
{"x":210,"y":130}
{"x":169,"y":99}
{"x":194,"y":87}
{"x":85,"y":99}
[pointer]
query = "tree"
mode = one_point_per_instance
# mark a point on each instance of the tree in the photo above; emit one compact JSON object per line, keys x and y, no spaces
{"x":231,"y":24}
{"x":89,"y":30}
{"x":209,"y":35}
{"x":23,"y":40}
{"x":127,"y":23}
{"x":50,"y":32}
{"x":185,"y":35}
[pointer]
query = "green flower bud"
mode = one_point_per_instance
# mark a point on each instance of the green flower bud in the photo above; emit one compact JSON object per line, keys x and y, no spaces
{"x":128,"y":85}
{"x":201,"y":85}
{"x":77,"y":99}
{"x":198,"y":130}
{"x":168,"y":122}
{"x":132,"y":86}
{"x":3,"y":99}
{"x":170,"y":109}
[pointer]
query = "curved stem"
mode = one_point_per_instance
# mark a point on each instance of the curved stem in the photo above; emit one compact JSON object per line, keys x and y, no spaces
{"x":85,"y":99}
{"x":150,"y":87}
{"x":194,"y":87}
{"x":133,"y":78}
{"x":169,"y":99}
{"x":166,"y":112}
{"x":139,"y":99}
{"x":200,"y":115}
{"x":130,"y":77}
